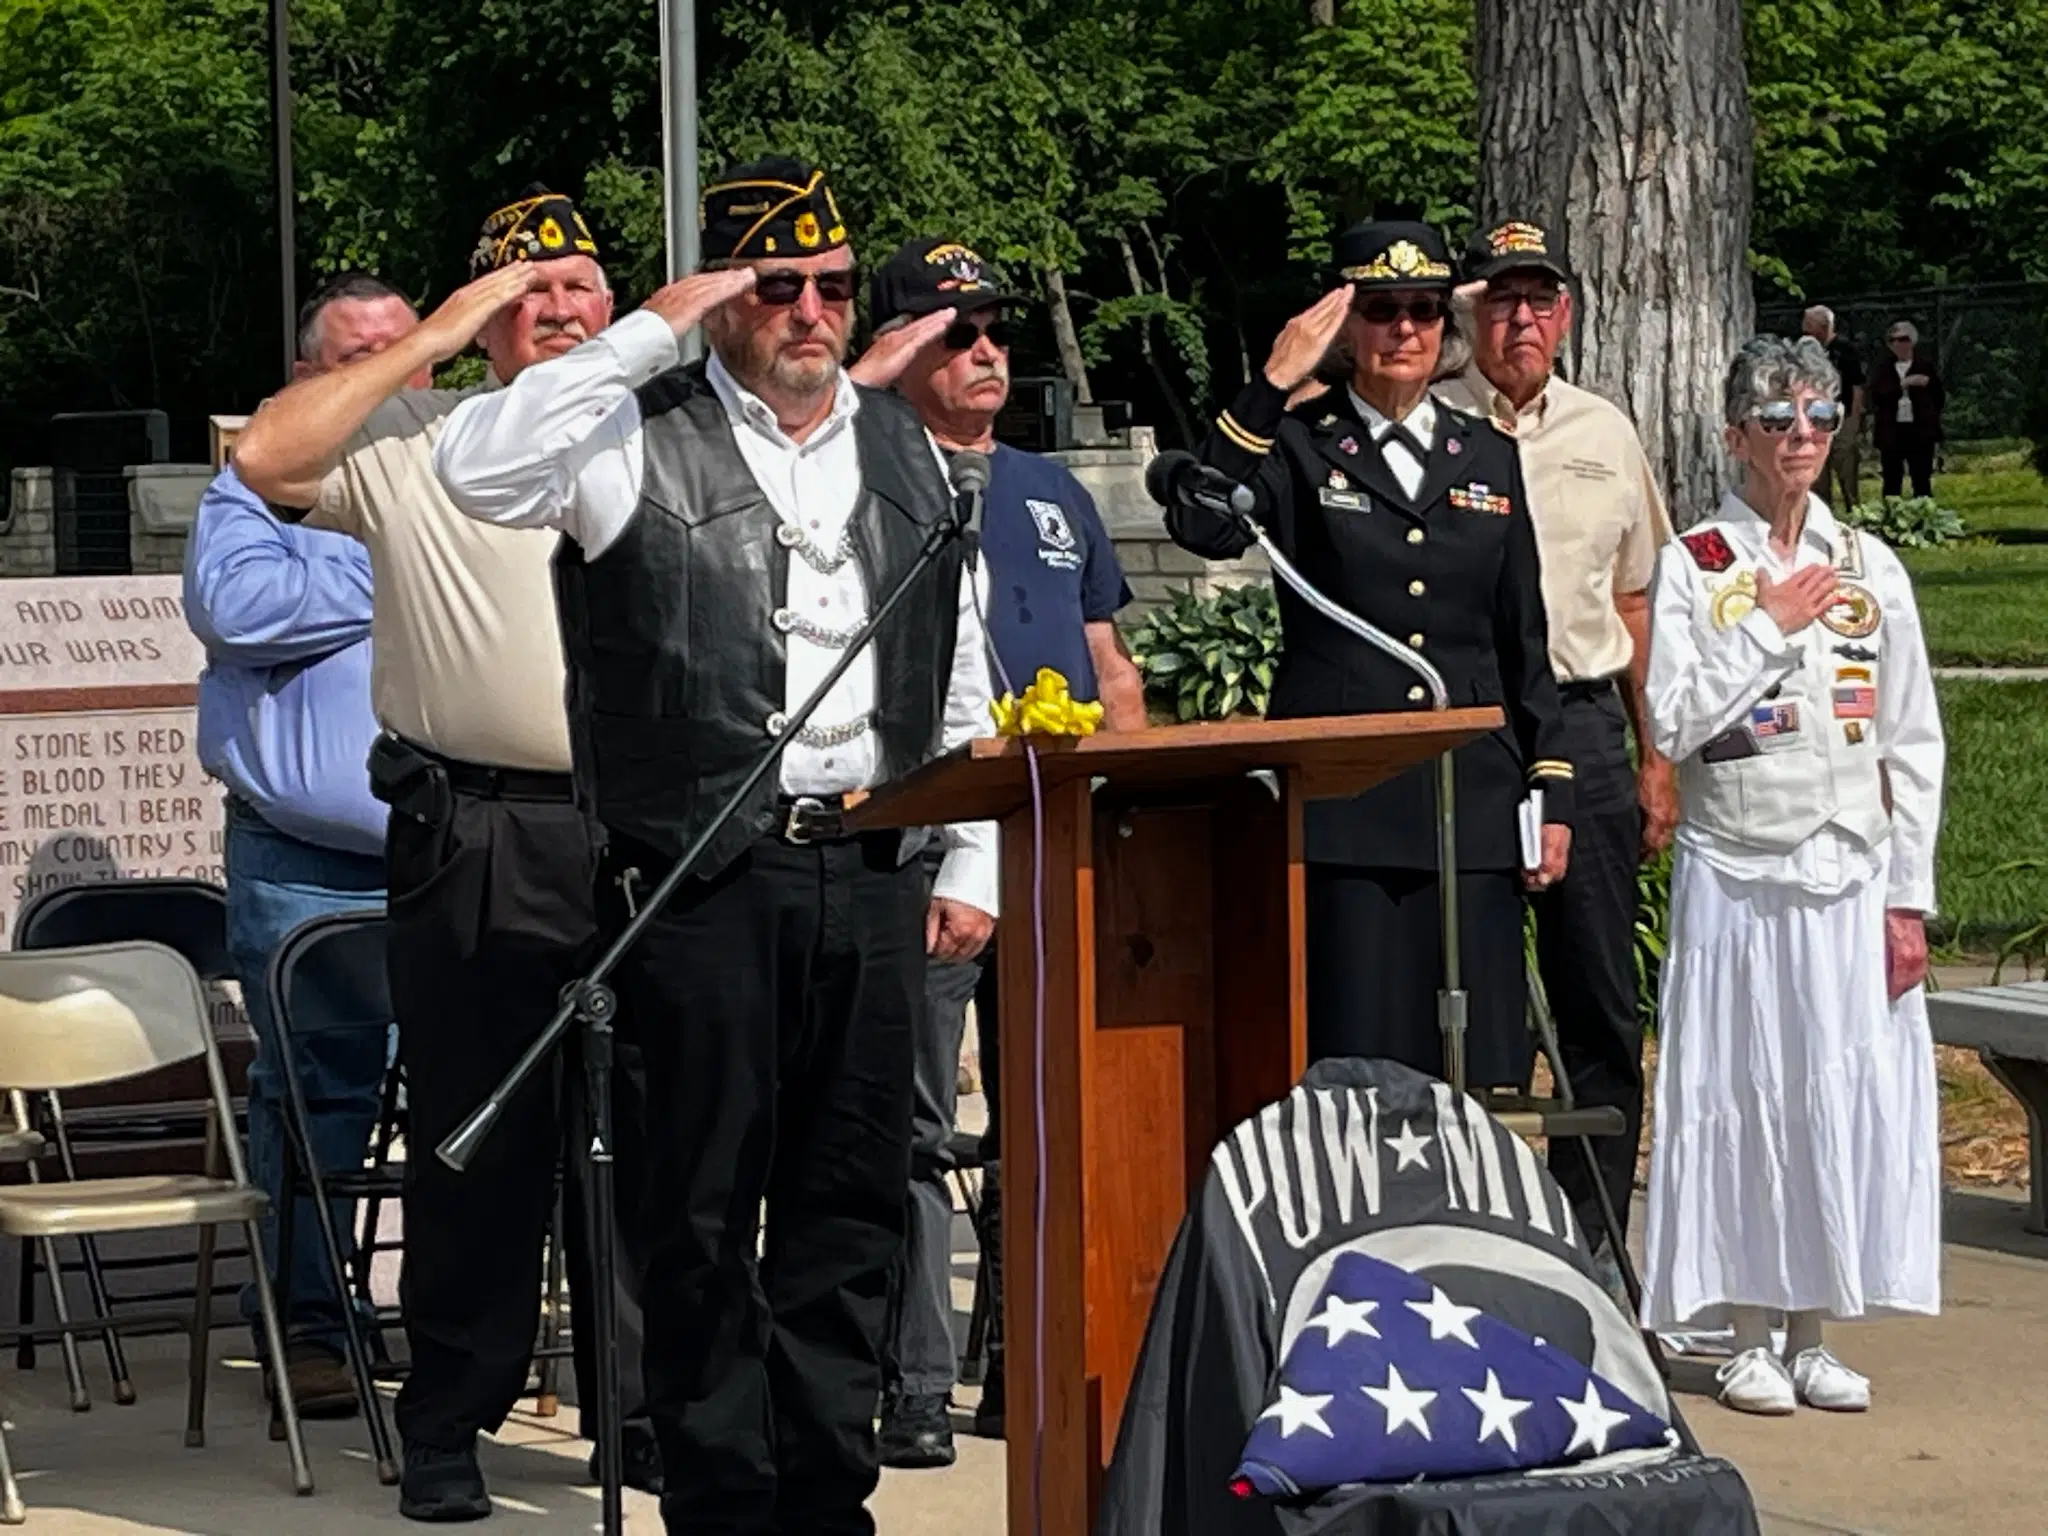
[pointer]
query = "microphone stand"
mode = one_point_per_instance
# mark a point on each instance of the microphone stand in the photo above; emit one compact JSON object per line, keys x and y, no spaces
{"x":593,"y":1005}
{"x":1451,"y":999}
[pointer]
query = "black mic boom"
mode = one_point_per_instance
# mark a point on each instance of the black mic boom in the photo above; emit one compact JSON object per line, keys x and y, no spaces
{"x":969,"y":472}
{"x":1176,"y":479}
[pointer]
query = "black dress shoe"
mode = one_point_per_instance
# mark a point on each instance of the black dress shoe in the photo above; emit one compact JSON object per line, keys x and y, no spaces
{"x":442,"y":1486}
{"x":641,"y":1462}
{"x":916,"y":1432}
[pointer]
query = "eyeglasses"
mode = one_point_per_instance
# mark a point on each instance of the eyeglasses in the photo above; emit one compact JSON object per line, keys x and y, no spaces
{"x":1895,"y":340}
{"x":780,"y":288}
{"x":1778,"y":415}
{"x":961,"y":335}
{"x":1505,"y":301}
{"x":1427,"y":310}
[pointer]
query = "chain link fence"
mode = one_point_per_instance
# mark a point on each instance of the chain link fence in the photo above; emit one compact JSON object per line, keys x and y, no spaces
{"x":1989,"y":340}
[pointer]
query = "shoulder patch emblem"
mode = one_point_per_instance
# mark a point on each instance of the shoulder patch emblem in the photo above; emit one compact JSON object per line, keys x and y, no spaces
{"x":1709,"y":549}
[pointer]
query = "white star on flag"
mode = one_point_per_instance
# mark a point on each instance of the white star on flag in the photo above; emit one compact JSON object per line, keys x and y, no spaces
{"x":1592,"y":1421}
{"x":1410,"y":1148}
{"x":1446,"y":1319}
{"x":1300,"y":1410}
{"x":1497,"y":1411}
{"x":1404,"y":1405}
{"x":1339,"y":1319}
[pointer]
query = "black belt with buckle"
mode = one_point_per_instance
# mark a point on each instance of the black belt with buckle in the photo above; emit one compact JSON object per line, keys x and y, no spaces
{"x":809,"y":819}
{"x":1583,"y":692}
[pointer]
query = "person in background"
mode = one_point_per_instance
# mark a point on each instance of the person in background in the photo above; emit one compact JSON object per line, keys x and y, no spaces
{"x":491,"y":863}
{"x":285,"y":723}
{"x":943,"y":324}
{"x":1906,"y":398}
{"x":1600,"y":520}
{"x":1412,"y":515}
{"x":1841,"y":476}
{"x":1796,"y":1164}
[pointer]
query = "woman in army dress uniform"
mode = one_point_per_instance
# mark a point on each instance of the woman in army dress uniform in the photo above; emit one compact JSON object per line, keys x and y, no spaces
{"x":1412,"y":516}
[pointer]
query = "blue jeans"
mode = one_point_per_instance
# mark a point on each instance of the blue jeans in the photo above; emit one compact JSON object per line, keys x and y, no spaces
{"x":275,"y":883}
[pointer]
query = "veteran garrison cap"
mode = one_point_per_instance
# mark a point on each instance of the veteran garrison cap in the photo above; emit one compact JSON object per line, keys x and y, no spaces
{"x":770,"y":207}
{"x":1391,"y":253}
{"x":1518,"y":245}
{"x":539,"y":226}
{"x":928,"y":275}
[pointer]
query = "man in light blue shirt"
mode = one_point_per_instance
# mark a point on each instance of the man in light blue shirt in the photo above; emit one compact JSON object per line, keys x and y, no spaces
{"x":285,"y":723}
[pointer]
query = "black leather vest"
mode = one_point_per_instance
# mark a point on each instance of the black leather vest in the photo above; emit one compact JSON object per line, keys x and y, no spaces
{"x":676,"y":669}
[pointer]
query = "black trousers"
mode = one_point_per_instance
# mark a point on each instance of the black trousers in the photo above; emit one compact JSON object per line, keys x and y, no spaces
{"x":1585,"y":945}
{"x":775,"y":1005}
{"x":490,"y":915}
{"x":1908,"y":453}
{"x":1375,"y":965}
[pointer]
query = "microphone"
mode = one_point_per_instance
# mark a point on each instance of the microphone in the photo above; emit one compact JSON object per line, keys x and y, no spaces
{"x":969,"y":472}
{"x":1176,"y":479}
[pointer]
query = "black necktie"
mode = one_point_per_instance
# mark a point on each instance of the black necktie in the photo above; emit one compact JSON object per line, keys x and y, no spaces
{"x":1400,"y":434}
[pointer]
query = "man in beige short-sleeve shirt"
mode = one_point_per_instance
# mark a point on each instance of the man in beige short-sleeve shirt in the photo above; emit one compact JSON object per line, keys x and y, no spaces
{"x":1600,"y":520}
{"x":491,"y":862}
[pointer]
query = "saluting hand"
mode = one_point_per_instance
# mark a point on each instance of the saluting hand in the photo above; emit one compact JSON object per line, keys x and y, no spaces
{"x":469,"y":308}
{"x":1301,"y":346}
{"x":890,"y":353}
{"x":1799,"y":599}
{"x":688,"y":300}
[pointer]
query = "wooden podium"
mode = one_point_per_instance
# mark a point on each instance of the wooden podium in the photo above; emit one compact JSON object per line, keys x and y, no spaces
{"x":1174,"y":1001}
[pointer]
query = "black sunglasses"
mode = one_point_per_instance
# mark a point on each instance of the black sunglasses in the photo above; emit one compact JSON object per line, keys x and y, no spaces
{"x":1423,"y":311}
{"x":1779,"y":415}
{"x":787,"y":287}
{"x":961,"y":335}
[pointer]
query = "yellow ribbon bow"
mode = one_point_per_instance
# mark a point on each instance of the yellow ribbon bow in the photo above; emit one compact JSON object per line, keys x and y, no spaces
{"x":1047,"y":708}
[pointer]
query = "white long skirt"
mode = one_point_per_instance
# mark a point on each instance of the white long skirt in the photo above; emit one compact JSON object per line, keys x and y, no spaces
{"x":1796,"y":1162}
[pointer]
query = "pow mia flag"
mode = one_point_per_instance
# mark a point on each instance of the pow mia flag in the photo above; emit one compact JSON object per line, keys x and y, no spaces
{"x":1375,"y":1164}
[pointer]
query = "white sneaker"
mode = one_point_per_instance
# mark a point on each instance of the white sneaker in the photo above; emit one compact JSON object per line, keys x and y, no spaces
{"x":1822,"y":1381}
{"x":1756,"y":1381}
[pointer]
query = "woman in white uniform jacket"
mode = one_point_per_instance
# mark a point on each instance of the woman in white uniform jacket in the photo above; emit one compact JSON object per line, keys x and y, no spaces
{"x":1796,"y":1164}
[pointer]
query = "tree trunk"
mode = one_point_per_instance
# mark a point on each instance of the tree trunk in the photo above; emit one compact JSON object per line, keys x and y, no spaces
{"x":1065,"y":336}
{"x":1181,"y":418}
{"x":1322,"y":13}
{"x":1625,"y":125}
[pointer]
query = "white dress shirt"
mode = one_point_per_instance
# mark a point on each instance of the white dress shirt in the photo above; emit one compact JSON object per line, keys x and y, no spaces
{"x":1402,"y":463}
{"x":560,"y":447}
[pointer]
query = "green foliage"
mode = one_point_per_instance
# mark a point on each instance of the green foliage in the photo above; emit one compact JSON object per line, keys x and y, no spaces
{"x":1907,"y":522}
{"x":2030,"y":945}
{"x":1208,"y":658}
{"x":1653,"y":926}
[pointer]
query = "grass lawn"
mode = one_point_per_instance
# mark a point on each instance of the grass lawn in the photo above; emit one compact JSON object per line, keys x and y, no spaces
{"x":1995,"y":493}
{"x":1984,"y":605}
{"x":1996,"y":811}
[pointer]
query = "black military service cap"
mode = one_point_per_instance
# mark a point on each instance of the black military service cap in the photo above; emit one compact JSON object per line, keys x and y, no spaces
{"x":1391,"y":253}
{"x":1519,"y":245}
{"x":770,"y":207}
{"x":539,"y":226}
{"x":928,"y":275}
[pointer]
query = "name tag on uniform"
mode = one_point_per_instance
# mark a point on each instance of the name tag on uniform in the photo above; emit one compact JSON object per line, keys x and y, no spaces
{"x":1344,"y":501}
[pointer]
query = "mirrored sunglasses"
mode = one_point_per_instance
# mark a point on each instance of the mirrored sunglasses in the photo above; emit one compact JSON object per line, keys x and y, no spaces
{"x":1779,"y":415}
{"x":1381,"y":311}
{"x":787,"y":287}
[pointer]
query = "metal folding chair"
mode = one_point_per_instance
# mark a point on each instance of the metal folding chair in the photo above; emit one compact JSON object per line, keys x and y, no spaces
{"x":80,"y":1017}
{"x":189,"y":916}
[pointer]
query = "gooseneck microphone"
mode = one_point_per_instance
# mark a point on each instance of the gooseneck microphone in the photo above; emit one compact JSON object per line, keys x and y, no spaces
{"x":969,"y":471}
{"x":1180,"y":479}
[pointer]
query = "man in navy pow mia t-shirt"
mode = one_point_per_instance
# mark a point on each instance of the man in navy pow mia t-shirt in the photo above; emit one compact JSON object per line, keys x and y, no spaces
{"x":1054,"y":586}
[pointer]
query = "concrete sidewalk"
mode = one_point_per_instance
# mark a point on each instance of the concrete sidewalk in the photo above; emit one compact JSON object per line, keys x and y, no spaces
{"x":1950,"y":1448}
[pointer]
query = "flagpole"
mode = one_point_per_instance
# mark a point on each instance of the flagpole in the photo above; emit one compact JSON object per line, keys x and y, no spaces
{"x":281,"y":166}
{"x":679,"y":145}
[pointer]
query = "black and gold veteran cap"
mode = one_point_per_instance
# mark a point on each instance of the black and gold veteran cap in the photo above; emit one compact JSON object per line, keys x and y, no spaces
{"x":769,"y":207}
{"x":928,"y":275}
{"x":539,"y":226}
{"x":1517,"y":245}
{"x":1391,"y":253}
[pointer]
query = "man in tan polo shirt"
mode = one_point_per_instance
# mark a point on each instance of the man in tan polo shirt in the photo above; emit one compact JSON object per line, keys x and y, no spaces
{"x":491,"y":864}
{"x":1600,"y":520}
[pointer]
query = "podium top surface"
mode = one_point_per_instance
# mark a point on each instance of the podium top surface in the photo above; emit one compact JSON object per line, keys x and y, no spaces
{"x":1335,"y":755}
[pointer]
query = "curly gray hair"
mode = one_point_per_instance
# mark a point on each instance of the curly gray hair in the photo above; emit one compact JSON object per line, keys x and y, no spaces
{"x":1773,"y":367}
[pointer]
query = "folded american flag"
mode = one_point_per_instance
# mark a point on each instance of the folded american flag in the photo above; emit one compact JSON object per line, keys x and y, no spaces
{"x":1391,"y":1380}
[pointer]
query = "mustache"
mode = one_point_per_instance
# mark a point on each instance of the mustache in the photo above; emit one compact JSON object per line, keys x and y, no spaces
{"x":545,"y":329}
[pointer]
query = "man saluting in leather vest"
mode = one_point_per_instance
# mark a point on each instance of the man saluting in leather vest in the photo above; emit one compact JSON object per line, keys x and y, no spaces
{"x":731,"y":525}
